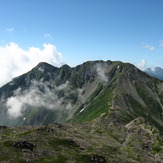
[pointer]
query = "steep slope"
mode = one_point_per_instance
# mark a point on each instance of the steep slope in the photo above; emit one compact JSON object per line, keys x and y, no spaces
{"x":129,"y":93}
{"x":115,"y":91}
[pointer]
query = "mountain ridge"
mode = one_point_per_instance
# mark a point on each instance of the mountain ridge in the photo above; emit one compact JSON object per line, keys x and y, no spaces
{"x":130,"y":92}
{"x":95,"y":112}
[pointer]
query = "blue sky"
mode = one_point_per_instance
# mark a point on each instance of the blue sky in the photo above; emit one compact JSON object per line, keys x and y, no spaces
{"x":81,"y":30}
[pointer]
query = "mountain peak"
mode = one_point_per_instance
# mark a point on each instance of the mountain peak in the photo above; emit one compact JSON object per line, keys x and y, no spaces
{"x":65,"y":66}
{"x":156,"y":72}
{"x":44,"y":65}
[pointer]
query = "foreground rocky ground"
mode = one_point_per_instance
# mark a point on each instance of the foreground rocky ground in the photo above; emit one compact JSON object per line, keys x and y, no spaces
{"x":97,"y":142}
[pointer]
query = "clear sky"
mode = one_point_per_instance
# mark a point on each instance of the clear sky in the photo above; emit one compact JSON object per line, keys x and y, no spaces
{"x":81,"y":30}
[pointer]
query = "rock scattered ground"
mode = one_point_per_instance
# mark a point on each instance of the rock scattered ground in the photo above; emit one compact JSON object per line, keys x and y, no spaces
{"x":96,"y":142}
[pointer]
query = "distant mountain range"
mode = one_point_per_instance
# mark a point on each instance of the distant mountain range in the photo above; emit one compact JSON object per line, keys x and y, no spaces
{"x":156,"y":72}
{"x":112,"y":112}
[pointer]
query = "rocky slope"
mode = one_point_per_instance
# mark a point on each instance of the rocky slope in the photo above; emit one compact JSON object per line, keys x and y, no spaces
{"x":128,"y":94}
{"x":96,"y":142}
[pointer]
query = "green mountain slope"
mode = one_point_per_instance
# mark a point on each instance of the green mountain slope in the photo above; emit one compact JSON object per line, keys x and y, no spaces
{"x":129,"y":94}
{"x":116,"y":91}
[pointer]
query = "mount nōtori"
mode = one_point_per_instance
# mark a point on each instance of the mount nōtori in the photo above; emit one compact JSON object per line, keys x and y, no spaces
{"x":115,"y":91}
{"x":95,"y":112}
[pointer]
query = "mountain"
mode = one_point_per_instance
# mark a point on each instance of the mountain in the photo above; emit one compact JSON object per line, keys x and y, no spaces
{"x":156,"y":72}
{"x":47,"y":94}
{"x":95,"y":112}
{"x":114,"y":90}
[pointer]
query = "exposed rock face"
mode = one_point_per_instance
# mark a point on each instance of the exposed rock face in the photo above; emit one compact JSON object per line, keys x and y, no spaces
{"x":24,"y":145}
{"x":98,"y":159}
{"x":3,"y":127}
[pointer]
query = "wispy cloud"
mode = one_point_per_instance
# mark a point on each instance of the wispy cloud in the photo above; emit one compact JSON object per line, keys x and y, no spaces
{"x":9,"y":29}
{"x":2,"y":41}
{"x":143,"y":64}
{"x":49,"y":36}
{"x":101,"y":71}
{"x":16,"y":61}
{"x":161,"y":42}
{"x":148,"y":47}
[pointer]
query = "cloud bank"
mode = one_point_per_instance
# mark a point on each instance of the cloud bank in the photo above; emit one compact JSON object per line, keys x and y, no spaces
{"x":15,"y":61}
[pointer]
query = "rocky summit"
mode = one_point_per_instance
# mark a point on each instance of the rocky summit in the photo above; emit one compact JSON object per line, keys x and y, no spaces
{"x":95,"y":112}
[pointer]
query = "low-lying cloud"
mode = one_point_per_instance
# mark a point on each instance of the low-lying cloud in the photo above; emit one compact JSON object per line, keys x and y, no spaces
{"x":38,"y":95}
{"x":16,"y":61}
{"x":101,"y":71}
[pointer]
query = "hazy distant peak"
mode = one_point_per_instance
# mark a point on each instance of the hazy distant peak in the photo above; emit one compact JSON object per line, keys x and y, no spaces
{"x":156,"y":72}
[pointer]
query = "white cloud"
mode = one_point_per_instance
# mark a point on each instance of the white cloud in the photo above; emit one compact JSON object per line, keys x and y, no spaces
{"x":161,"y":42}
{"x":14,"y":107}
{"x":143,"y":64}
{"x":149,"y":47}
{"x":15,"y":61}
{"x":153,"y":68}
{"x":62,"y":86}
{"x":33,"y":97}
{"x":9,"y":29}
{"x":48,"y":36}
{"x":101,"y":71}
